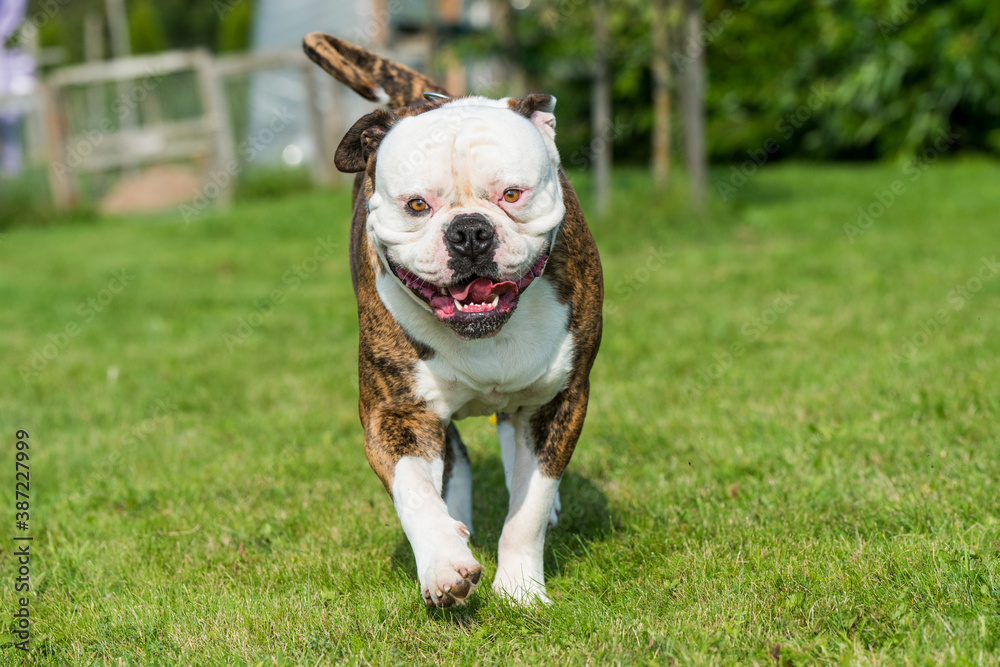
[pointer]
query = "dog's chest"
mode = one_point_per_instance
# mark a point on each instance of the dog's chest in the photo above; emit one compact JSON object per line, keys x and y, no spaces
{"x":525,"y":365}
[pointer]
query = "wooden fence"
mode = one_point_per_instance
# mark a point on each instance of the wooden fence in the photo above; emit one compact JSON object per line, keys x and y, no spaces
{"x":78,"y":142}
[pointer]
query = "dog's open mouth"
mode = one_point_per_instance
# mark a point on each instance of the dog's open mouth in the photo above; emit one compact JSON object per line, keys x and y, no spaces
{"x":475,"y":306}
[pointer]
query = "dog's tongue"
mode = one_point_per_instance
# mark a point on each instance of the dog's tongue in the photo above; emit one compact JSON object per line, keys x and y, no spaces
{"x":481,"y":290}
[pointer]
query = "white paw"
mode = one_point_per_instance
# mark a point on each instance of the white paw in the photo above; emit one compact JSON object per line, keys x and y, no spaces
{"x":521,"y":591}
{"x":556,"y":511}
{"x":451,"y":575}
{"x":520,"y":577}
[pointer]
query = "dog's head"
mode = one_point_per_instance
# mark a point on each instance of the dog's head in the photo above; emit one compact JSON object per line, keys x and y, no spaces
{"x":464,"y":200}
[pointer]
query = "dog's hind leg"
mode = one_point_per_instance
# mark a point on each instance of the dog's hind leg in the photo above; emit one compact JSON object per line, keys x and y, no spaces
{"x":505,"y":433}
{"x":542,"y":446}
{"x":457,"y":478}
{"x":520,"y":574}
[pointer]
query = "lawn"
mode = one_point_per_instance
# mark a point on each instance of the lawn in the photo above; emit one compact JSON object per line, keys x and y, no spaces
{"x":791,"y":456}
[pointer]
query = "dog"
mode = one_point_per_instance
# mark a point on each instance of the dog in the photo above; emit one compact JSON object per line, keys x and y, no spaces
{"x":479,"y":291}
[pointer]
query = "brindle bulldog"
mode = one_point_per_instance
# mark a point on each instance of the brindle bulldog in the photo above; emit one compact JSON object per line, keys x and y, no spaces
{"x":479,"y":291}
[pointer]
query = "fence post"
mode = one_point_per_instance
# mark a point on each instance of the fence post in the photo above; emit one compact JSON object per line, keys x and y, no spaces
{"x":335,"y":125}
{"x":62,"y":184}
{"x":217,"y":113}
{"x":320,"y":166}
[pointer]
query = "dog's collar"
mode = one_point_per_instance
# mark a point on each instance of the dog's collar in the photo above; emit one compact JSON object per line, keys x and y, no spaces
{"x":387,"y":267}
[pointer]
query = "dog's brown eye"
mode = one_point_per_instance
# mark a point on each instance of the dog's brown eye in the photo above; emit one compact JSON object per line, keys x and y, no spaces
{"x":418,"y":205}
{"x":510,"y":196}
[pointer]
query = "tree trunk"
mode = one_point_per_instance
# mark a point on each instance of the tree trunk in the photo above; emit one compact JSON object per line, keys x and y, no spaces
{"x":661,"y":93}
{"x":93,"y":50}
{"x":600,"y":145}
{"x":693,"y":101}
{"x":121,"y":43}
{"x":505,"y":22}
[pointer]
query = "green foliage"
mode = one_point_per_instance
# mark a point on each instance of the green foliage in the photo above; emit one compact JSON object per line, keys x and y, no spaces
{"x":892,"y":76}
{"x":854,"y":79}
{"x":835,"y":79}
{"x":553,"y":46}
{"x":24,"y":197}
{"x":828,"y":496}
{"x":234,"y":29}
{"x":54,"y":33}
{"x":145,"y":28}
{"x":272,"y":183}
{"x":160,"y":24}
{"x":25,"y":200}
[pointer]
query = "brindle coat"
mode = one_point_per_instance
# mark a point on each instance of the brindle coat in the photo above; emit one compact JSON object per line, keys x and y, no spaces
{"x":397,"y":422}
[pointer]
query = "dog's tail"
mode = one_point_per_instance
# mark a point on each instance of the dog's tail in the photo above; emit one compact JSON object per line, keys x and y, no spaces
{"x":371,"y":76}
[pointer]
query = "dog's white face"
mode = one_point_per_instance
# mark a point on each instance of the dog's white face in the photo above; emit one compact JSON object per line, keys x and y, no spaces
{"x":466,"y":204}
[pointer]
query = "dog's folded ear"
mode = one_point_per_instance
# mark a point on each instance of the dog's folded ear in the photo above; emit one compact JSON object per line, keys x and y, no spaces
{"x":362,"y":140}
{"x":538,"y":109}
{"x":373,"y":77}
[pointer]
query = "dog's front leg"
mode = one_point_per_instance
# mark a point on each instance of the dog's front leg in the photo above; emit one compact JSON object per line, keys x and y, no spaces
{"x":406,"y":447}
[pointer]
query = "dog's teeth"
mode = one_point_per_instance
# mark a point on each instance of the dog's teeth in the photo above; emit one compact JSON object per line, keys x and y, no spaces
{"x":444,"y":291}
{"x":458,"y":304}
{"x":496,"y":300}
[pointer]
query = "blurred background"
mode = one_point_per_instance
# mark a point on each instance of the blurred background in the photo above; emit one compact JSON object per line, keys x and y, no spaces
{"x":126,"y":106}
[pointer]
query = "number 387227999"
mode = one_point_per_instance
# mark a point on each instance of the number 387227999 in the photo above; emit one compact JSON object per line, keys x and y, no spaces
{"x":22,"y":478}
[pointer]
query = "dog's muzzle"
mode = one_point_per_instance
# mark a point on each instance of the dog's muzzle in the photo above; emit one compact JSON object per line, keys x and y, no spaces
{"x":471,"y":241}
{"x":474,"y":306}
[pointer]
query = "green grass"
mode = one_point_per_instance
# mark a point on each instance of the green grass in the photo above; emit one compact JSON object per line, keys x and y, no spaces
{"x":752,"y":486}
{"x":26,"y":199}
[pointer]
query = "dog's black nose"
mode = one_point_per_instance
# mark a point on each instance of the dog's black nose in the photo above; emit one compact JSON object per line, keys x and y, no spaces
{"x":470,"y":237}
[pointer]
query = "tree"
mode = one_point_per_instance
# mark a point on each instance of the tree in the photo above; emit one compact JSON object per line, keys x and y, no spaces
{"x":693,"y":100}
{"x":601,"y":109}
{"x":660,"y":66}
{"x":145,"y":28}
